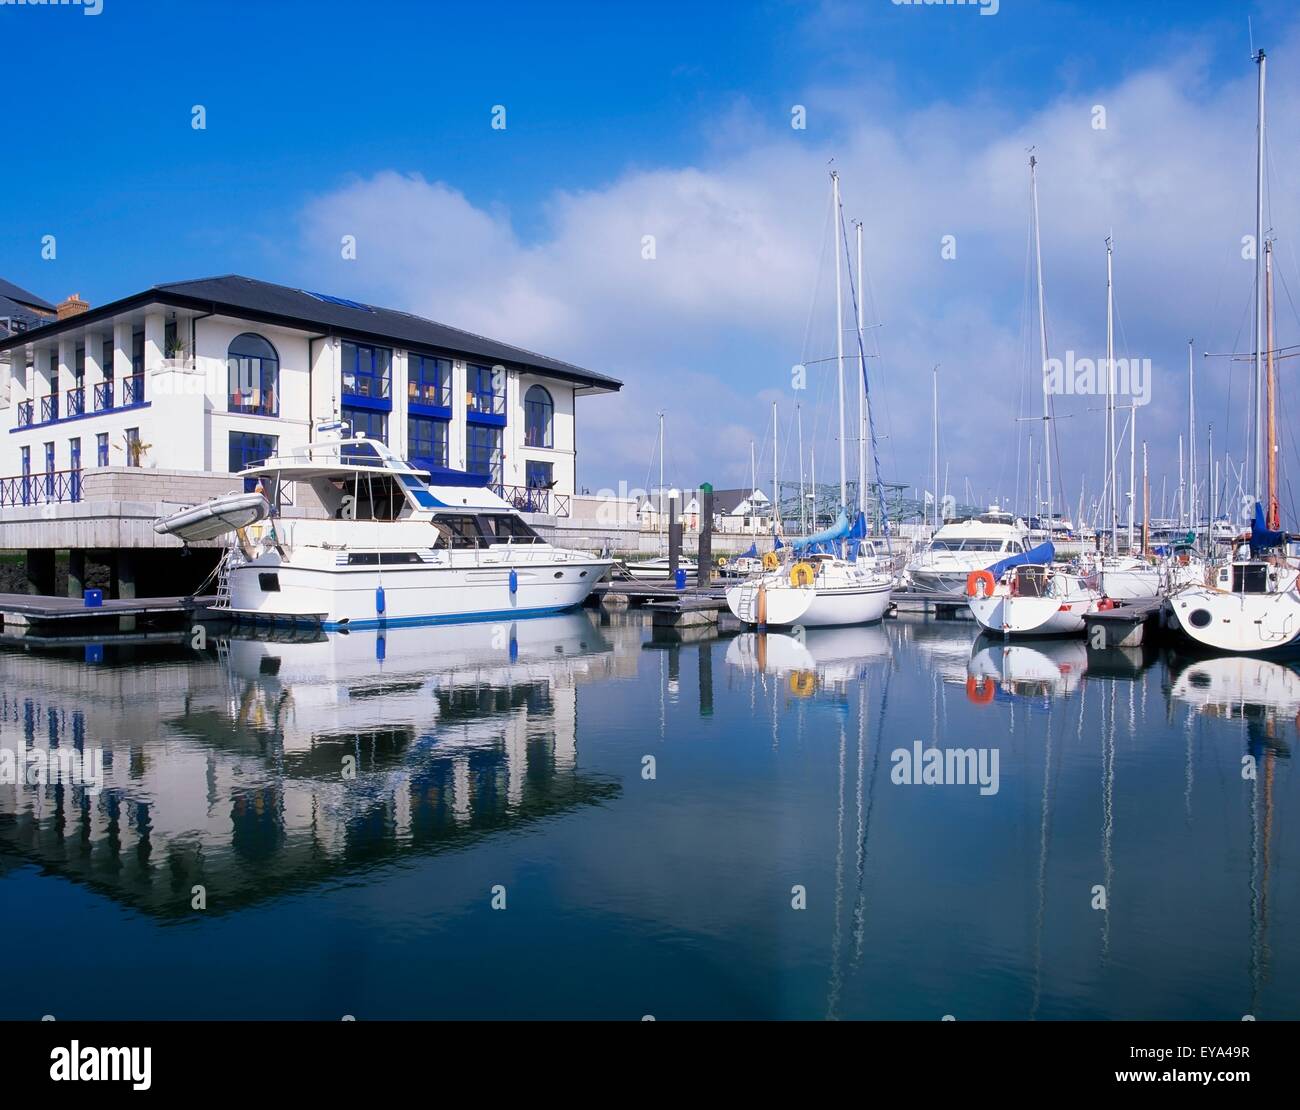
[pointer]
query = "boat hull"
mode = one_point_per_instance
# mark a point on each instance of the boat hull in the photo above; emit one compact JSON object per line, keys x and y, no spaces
{"x":1237,"y":622}
{"x":1031,"y":616}
{"x":271,"y":588}
{"x":809,"y":606}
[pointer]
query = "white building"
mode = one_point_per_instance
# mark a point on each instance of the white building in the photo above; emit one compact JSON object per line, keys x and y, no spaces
{"x":216,"y":374}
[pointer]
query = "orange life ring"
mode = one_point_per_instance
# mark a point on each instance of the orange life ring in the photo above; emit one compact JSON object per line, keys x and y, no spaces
{"x":975,"y":578}
{"x":980,"y":690}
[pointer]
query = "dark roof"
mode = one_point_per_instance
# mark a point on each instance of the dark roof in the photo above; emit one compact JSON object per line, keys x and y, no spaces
{"x":248,"y":298}
{"x":10,"y":291}
{"x":725,"y":501}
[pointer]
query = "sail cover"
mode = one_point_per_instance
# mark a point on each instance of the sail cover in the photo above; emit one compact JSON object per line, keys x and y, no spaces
{"x":1035,"y":556}
{"x":836,"y":531}
{"x":1263,"y":538}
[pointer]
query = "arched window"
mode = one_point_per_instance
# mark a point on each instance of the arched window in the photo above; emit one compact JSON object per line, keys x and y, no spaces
{"x":539,"y":418}
{"x":254,"y":373}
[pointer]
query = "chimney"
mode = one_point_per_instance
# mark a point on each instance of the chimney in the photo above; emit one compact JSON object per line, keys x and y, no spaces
{"x":73,"y":306}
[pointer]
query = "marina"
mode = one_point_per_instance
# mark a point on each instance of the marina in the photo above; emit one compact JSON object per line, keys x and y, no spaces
{"x":737,"y":513}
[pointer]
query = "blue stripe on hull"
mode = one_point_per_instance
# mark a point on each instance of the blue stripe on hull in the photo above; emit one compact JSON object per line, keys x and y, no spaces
{"x":334,"y":625}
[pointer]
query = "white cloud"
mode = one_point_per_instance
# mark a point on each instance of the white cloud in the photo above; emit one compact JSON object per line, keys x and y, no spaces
{"x":720,"y":315}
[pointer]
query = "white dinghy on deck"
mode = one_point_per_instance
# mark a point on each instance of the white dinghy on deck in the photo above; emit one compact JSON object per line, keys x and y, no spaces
{"x":218,"y":517}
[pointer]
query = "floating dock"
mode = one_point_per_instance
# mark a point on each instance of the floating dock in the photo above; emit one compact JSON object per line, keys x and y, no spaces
{"x":19,"y":612}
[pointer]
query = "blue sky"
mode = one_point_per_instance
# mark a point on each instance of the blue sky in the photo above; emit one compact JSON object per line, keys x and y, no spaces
{"x":670,"y":119}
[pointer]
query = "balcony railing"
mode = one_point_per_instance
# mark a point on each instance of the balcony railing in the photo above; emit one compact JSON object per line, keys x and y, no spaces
{"x":76,"y":403}
{"x":49,"y":488}
{"x":530,"y":499}
{"x":49,"y":408}
{"x":133,"y":390}
{"x":25,"y":414}
{"x":104,"y":396}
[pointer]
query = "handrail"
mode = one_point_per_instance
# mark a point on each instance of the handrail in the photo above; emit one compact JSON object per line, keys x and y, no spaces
{"x":49,"y":487}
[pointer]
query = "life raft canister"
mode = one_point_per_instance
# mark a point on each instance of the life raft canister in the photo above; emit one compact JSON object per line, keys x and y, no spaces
{"x":975,"y":578}
{"x":802,"y":574}
{"x":979,"y":690}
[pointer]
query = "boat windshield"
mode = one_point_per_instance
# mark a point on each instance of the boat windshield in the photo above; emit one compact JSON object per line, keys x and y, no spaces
{"x":462,"y":530}
{"x":966,"y":545}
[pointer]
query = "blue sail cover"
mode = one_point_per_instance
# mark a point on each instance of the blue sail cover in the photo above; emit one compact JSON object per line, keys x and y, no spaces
{"x":1035,"y":556}
{"x":859,"y":529}
{"x":752,"y":553}
{"x":1263,"y":538}
{"x":836,"y":531}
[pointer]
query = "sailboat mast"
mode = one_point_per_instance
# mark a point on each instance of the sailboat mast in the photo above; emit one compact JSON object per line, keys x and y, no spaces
{"x":661,"y":469}
{"x":1257,"y":440}
{"x":1270,"y":394}
{"x":839,"y":335}
{"x":1112,"y":510}
{"x":863,"y":422}
{"x":1146,"y":501}
{"x":1132,"y":468}
{"x":776,"y":489}
{"x":1042,"y":341}
{"x":803,"y":504}
{"x":1191,"y":442}
{"x":936,"y":447}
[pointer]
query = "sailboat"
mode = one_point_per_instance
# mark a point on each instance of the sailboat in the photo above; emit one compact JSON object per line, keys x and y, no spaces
{"x":1030,"y":594}
{"x":819,"y":584}
{"x":1253,"y":602}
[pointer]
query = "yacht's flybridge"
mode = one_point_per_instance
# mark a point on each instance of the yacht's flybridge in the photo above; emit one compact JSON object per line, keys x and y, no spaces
{"x":366,"y":479}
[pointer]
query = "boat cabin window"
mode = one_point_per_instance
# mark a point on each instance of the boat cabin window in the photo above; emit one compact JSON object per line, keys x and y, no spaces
{"x":460,"y":531}
{"x":368,"y":497}
{"x":1252,"y":578}
{"x":506,"y":528}
{"x":966,"y":545}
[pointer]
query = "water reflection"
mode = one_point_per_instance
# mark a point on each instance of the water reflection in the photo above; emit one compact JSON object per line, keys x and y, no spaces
{"x":1043,"y":669}
{"x":1130,"y":772}
{"x":275,"y":763}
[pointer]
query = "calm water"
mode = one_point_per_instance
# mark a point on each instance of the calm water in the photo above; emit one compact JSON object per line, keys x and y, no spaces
{"x":515,"y":758}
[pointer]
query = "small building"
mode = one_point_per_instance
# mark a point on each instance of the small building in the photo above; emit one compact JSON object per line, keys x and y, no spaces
{"x":742,"y":510}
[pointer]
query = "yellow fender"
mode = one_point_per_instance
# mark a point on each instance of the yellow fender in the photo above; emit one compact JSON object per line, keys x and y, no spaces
{"x":770,"y":561}
{"x":802,"y":574}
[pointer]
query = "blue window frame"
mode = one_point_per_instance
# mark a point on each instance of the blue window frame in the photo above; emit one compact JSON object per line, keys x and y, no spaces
{"x":27,"y":475}
{"x":539,"y":475}
{"x":539,"y":418}
{"x":368,"y":372}
{"x":137,"y":352}
{"x":49,"y":469}
{"x":79,"y":365}
{"x":426,"y":440}
{"x":428,"y":381}
{"x":106,"y":360}
{"x":132,"y":437}
{"x":253,"y":371}
{"x":74,"y":460}
{"x":250,"y":449}
{"x":101,"y":449}
{"x":485,"y":390}
{"x":483,"y":451}
{"x":374,"y":425}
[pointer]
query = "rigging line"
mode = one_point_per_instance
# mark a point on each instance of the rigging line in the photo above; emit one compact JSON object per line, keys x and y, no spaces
{"x":866,"y":388}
